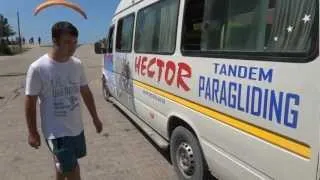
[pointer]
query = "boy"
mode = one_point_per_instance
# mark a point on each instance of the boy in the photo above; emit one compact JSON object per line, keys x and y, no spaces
{"x":58,"y":79}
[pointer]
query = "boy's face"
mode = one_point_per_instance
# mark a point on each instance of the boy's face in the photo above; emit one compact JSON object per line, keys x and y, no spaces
{"x":67,"y":44}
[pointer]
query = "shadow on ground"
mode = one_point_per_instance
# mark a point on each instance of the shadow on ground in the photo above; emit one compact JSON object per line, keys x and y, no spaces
{"x":164,"y":152}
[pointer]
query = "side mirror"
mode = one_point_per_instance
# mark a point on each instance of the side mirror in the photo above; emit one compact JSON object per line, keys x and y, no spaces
{"x":98,"y":49}
{"x":104,"y":50}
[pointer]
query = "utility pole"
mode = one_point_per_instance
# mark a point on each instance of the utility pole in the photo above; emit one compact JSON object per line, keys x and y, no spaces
{"x":20,"y":45}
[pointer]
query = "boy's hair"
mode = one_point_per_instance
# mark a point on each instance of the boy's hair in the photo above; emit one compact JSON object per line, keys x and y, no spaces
{"x":63,"y":27}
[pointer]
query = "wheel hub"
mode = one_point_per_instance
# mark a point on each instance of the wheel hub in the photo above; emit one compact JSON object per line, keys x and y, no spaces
{"x":185,"y":159}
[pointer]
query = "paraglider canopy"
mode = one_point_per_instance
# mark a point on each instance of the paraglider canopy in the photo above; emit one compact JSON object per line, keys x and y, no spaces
{"x":65,"y":3}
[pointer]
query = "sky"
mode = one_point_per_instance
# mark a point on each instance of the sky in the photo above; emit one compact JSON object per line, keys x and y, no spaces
{"x":99,"y":14}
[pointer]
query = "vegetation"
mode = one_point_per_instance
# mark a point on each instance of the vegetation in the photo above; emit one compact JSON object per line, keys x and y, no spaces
{"x":6,"y":31}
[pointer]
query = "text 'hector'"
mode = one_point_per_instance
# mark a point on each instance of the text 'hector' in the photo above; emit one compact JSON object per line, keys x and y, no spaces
{"x":170,"y":72}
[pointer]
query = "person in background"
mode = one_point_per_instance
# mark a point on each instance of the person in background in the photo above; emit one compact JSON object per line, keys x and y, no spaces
{"x":39,"y":41}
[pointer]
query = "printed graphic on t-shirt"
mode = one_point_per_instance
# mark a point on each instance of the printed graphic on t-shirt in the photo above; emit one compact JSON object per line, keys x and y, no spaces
{"x":65,"y":94}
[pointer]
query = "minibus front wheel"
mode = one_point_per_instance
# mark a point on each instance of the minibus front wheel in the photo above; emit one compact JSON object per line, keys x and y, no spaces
{"x":186,"y":155}
{"x":105,"y":90}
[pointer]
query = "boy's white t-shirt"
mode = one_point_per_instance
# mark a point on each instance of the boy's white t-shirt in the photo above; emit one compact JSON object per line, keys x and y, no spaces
{"x":58,"y":87}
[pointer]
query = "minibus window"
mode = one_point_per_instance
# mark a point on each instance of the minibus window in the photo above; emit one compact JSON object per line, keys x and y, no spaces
{"x":281,"y":26}
{"x":192,"y":25}
{"x":125,"y":34}
{"x":157,"y":27}
{"x":110,"y":40}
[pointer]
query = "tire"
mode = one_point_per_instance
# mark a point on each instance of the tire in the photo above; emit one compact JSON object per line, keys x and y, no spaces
{"x":186,"y":155}
{"x":105,"y":91}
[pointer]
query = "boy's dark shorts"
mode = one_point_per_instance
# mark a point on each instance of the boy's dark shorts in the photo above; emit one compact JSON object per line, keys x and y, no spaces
{"x":67,"y":150}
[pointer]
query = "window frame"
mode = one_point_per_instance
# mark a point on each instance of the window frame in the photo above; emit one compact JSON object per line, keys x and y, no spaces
{"x":112,"y":27}
{"x":176,"y":31}
{"x":117,"y":33}
{"x":286,"y":57}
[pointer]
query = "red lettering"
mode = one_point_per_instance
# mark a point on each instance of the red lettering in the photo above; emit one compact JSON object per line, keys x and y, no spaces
{"x":160,"y":64}
{"x":151,"y":63}
{"x":138,"y":63}
{"x":143,"y":66}
{"x":183,"y":72}
{"x":170,"y":66}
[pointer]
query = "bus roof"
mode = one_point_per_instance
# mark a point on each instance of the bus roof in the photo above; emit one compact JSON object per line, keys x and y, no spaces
{"x":125,"y":4}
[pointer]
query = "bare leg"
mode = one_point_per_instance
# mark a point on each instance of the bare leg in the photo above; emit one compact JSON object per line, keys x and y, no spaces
{"x":59,"y":175}
{"x":74,"y":174}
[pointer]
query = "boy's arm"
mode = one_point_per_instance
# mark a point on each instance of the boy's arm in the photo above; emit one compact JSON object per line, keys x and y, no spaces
{"x":32,"y":90}
{"x":31,"y":113}
{"x":31,"y":117}
{"x":89,"y":102}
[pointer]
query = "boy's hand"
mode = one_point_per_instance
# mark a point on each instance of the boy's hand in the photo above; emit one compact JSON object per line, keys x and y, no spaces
{"x":98,"y":124}
{"x":34,"y":140}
